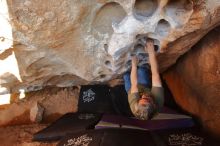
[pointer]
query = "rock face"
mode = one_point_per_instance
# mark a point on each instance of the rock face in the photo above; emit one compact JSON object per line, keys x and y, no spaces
{"x":72,"y":42}
{"x":36,"y":113}
{"x":47,"y":105}
{"x":195,"y":81}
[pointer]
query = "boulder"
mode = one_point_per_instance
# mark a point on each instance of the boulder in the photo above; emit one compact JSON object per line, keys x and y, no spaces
{"x":44,"y":106}
{"x":36,"y":113}
{"x":66,"y":43}
{"x":195,"y":81}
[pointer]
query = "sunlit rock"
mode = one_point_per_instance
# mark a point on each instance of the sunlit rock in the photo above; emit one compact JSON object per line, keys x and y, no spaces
{"x":66,"y":43}
{"x":36,"y":113}
{"x":45,"y":105}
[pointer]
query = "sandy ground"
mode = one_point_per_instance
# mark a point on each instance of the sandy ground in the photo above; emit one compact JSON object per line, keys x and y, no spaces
{"x":22,"y":135}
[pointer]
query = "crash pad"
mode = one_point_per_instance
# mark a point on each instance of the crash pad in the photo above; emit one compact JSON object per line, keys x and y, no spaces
{"x":134,"y":137}
{"x":68,"y":123}
{"x":96,"y":99}
{"x":166,"y":119}
{"x":109,"y":137}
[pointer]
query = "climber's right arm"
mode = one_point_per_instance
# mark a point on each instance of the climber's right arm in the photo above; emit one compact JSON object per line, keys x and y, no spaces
{"x":149,"y":48}
{"x":133,"y":76}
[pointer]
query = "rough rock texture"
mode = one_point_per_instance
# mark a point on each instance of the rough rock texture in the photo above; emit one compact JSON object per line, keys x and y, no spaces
{"x":36,"y":113}
{"x":72,"y":42}
{"x":55,"y":101}
{"x":195,"y":81}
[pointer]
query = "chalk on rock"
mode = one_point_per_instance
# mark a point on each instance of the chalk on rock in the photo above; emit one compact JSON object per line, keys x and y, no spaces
{"x":36,"y":113}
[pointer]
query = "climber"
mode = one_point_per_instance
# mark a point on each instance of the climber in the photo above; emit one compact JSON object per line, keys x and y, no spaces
{"x":143,"y":100}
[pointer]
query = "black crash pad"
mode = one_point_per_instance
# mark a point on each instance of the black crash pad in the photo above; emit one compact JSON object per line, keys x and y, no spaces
{"x":109,"y":137}
{"x":69,"y":123}
{"x":95,"y":99}
{"x":134,"y":137}
{"x":193,"y":136}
